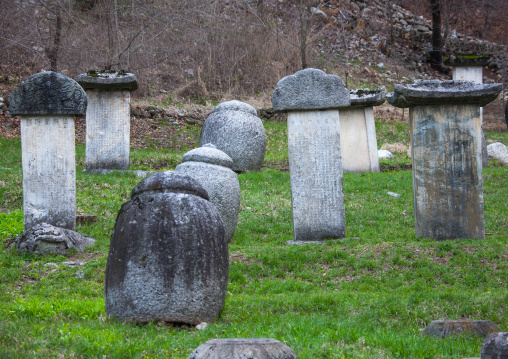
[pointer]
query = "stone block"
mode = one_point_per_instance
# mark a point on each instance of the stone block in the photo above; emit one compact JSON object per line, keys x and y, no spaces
{"x":243,"y":348}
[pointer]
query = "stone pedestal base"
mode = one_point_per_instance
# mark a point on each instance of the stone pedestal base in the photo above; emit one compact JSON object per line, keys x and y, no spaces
{"x":358,"y":140}
{"x":107,"y":129}
{"x":49,"y":172}
{"x":315,"y":168}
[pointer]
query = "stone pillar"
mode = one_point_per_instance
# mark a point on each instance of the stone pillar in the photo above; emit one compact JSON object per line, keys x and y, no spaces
{"x":446,"y":151}
{"x":107,"y":118}
{"x":312,"y":99}
{"x":47,"y":103}
{"x":358,"y":131}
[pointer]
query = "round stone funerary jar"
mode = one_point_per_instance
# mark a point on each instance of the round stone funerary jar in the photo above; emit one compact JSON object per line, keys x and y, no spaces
{"x":234,"y":128}
{"x":47,"y":103}
{"x":243,"y":348}
{"x":168,"y":260}
{"x":107,"y":118}
{"x":212,"y":169}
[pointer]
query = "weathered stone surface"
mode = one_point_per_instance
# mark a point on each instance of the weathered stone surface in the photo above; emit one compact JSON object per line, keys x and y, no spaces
{"x":49,"y":170}
{"x":506,"y":113}
{"x":212,"y":169}
{"x":445,"y":328}
{"x":234,"y":128}
{"x":367,"y":97}
{"x":435,"y":92}
{"x":447,"y":171}
{"x":310,"y":89}
{"x":495,"y":346}
{"x":108,"y":80}
{"x":107,"y":130}
{"x":315,"y":169}
{"x":498,"y":151}
{"x":466,"y":60}
{"x":47,"y":93}
{"x":168,"y":260}
{"x":44,"y":239}
{"x":469,"y":73}
{"x":243,"y":348}
{"x":384,"y":154}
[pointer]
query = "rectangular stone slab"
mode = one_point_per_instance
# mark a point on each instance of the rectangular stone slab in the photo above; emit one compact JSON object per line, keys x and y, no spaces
{"x":107,"y":129}
{"x":358,"y":140}
{"x":315,"y":168}
{"x":49,"y":171}
{"x":447,"y":171}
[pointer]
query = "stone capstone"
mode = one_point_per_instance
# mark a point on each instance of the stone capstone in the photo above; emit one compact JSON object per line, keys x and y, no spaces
{"x":310,"y":89}
{"x":367,"y":97}
{"x":445,"y":328}
{"x":212,"y":169}
{"x":498,"y":151}
{"x":43,"y":239}
{"x":243,"y":348}
{"x":48,"y":93}
{"x":234,"y":128}
{"x":108,"y":80}
{"x":168,"y":260}
{"x":435,"y":92}
{"x":495,"y":346}
{"x":468,"y":60}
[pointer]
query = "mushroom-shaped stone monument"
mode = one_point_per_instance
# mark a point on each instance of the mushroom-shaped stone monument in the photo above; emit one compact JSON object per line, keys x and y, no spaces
{"x":47,"y":103}
{"x":312,"y":99}
{"x":107,"y":118}
{"x":446,"y":150}
{"x":358,"y":142}
{"x":234,"y":128}
{"x":212,"y":169}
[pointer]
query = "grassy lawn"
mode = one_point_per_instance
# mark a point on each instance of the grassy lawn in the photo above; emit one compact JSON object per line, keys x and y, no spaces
{"x":367,"y":296}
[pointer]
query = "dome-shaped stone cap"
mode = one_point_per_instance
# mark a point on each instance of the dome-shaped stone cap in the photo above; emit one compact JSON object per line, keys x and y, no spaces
{"x":208,"y":154}
{"x":435,"y":92}
{"x":108,"y":80}
{"x":368,"y":97}
{"x":243,"y":348}
{"x":235,"y":105}
{"x":48,"y":93}
{"x":310,"y":89}
{"x":169,"y":181}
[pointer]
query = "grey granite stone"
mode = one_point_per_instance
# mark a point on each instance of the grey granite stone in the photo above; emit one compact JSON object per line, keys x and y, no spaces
{"x":243,"y":348}
{"x":435,"y":92}
{"x":108,"y":80}
{"x":43,"y":239}
{"x":168,"y":260}
{"x":367,"y":97}
{"x":468,"y":60}
{"x":47,"y":93}
{"x":310,"y":89}
{"x":234,"y":128}
{"x":495,"y":346}
{"x":445,"y":328}
{"x":212,"y":169}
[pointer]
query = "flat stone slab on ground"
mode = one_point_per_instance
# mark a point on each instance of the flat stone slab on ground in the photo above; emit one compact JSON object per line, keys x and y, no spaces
{"x":243,"y":348}
{"x":445,"y":328}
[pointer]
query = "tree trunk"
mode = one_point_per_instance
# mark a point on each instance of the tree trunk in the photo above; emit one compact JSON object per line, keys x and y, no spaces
{"x":53,"y":53}
{"x":437,"y":40}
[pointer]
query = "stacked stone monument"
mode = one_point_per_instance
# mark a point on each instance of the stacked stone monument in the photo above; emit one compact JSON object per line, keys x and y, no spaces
{"x":312,"y":100}
{"x":445,"y":129}
{"x":212,"y":169}
{"x":358,"y":131}
{"x":168,"y":260}
{"x":234,"y":128}
{"x":107,"y":119}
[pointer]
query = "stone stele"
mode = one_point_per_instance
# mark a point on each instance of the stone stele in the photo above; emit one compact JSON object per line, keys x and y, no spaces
{"x":445,"y":328}
{"x":495,"y":346}
{"x":234,"y":128}
{"x":446,"y":151}
{"x":107,"y":119}
{"x":243,"y":348}
{"x":168,"y":260}
{"x":315,"y":165}
{"x":47,"y":103}
{"x":212,"y":169}
{"x":358,"y":142}
{"x":43,"y":239}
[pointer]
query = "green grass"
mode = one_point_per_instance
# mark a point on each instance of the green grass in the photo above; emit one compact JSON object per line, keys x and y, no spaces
{"x":368,"y":296}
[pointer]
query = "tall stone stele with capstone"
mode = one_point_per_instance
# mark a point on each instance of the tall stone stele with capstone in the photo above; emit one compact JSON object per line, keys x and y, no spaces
{"x":234,"y":128}
{"x":446,"y":151}
{"x":358,"y":142}
{"x":107,"y":118}
{"x":312,"y":99}
{"x":212,"y":169}
{"x":47,"y":103}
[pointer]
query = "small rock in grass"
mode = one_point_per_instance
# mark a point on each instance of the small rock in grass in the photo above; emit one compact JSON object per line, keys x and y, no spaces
{"x":201,"y":326}
{"x":393,"y":194}
{"x":445,"y":328}
{"x":384,"y":154}
{"x":498,"y":151}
